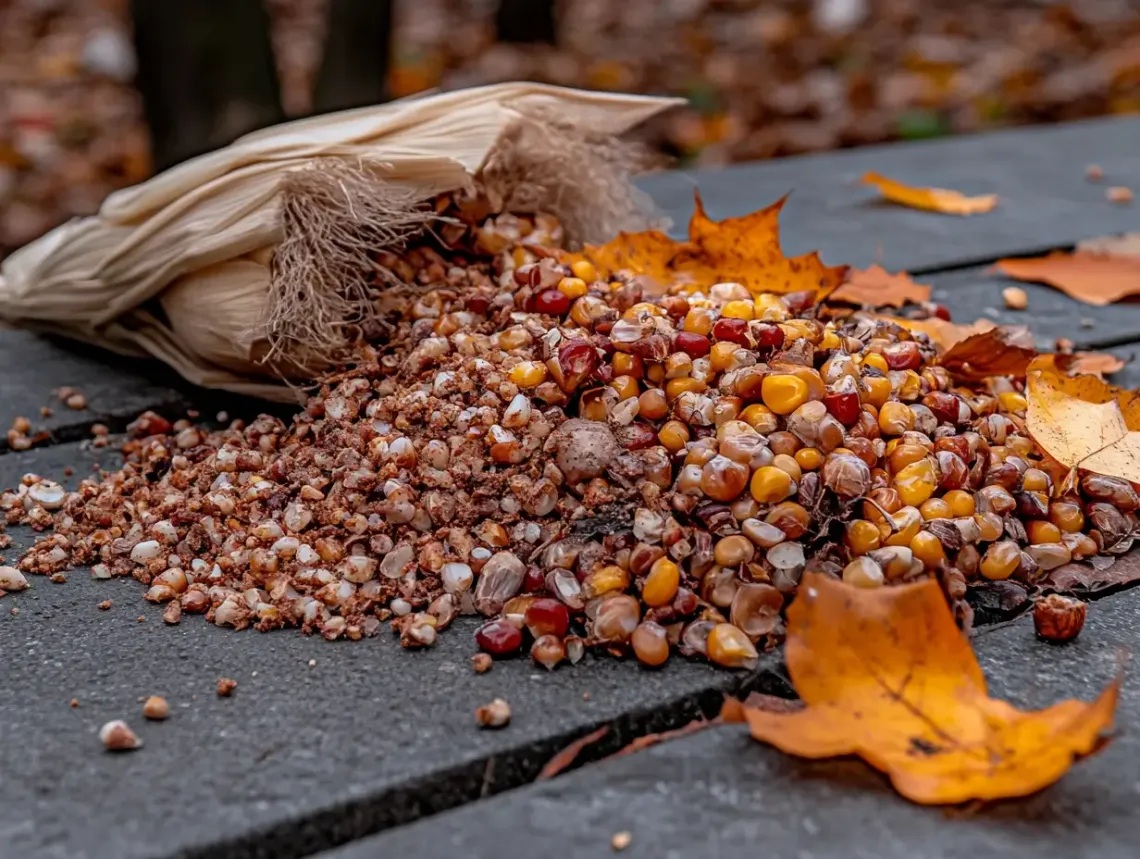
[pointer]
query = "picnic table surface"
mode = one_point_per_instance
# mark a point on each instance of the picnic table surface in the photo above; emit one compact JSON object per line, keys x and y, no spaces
{"x":372,"y":751}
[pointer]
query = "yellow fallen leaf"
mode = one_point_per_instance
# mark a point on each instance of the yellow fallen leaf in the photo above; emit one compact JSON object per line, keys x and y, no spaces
{"x":743,"y":250}
{"x":1093,"y":278}
{"x":931,"y":199}
{"x":877,"y":287}
{"x":886,"y":675}
{"x":1082,"y":421}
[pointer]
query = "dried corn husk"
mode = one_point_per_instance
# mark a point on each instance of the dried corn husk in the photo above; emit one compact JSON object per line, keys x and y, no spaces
{"x":195,"y":266}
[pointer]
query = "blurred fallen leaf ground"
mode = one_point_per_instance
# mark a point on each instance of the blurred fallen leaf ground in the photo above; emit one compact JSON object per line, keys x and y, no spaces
{"x":942,"y":200}
{"x":1097,"y":278}
{"x":763,"y":78}
{"x":885,"y":674}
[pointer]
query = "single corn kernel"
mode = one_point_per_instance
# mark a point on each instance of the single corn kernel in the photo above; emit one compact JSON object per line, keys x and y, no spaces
{"x":863,"y":572}
{"x":791,"y":518}
{"x":1034,"y":480}
{"x":1040,"y":531}
{"x":935,"y":508}
{"x":652,"y":404}
{"x":783,"y":394}
{"x":928,"y":549}
{"x":528,"y":374}
{"x":573,"y":287}
{"x":961,"y":502}
{"x":650,"y":642}
{"x":876,"y":391}
{"x":729,"y":647}
{"x":830,"y":340}
{"x":771,"y":484}
{"x":738,"y":310}
{"x":1000,"y":560}
{"x":722,"y":479}
{"x":895,"y":418}
{"x":628,"y":364}
{"x":989,"y":526}
{"x":721,"y":355}
{"x":917,"y":482}
{"x":734,"y":551}
{"x":698,"y":321}
{"x":760,"y":418}
{"x":1015,"y":298}
{"x":1011,"y":401}
{"x":885,"y":498}
{"x":1067,"y":516}
{"x":655,"y":373}
{"x":907,"y":523}
{"x":861,"y":536}
{"x":661,"y":584}
{"x":626,"y":387}
{"x":900,"y":454}
{"x":874,"y":359}
{"x":808,"y":459}
{"x":603,"y":580}
{"x":788,"y":463}
{"x":585,"y":270}
{"x":675,"y":387}
{"x":673,"y":436}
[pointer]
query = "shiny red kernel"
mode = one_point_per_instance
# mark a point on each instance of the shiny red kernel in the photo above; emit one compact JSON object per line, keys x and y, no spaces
{"x":693,"y":345}
{"x":534,"y":580}
{"x":732,"y":330}
{"x":499,"y":637}
{"x":547,"y":616}
{"x":766,"y":335}
{"x":844,"y":408}
{"x":940,"y":311}
{"x":903,"y":355}
{"x":552,"y":302}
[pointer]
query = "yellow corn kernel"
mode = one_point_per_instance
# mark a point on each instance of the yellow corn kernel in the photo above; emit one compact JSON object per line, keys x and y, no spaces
{"x":907,"y":523}
{"x":830,"y":341}
{"x":626,"y":364}
{"x":901,"y":454}
{"x":528,"y":374}
{"x":675,"y":387}
{"x":1067,"y":516}
{"x":863,"y":573}
{"x":737,"y":310}
{"x":876,"y":391}
{"x":1011,"y":401}
{"x":641,"y":308}
{"x":626,"y":386}
{"x":862,"y":536}
{"x":935,"y":508}
{"x":927,"y":548}
{"x":783,"y":394}
{"x":604,"y":580}
{"x":720,"y":356}
{"x":585,"y":270}
{"x":1000,"y":560}
{"x":760,"y":418}
{"x":908,"y":388}
{"x":961,"y":502}
{"x":989,"y":524}
{"x":1040,"y":531}
{"x":673,"y":436}
{"x":1034,"y":480}
{"x":1020,"y":445}
{"x":768,"y":300}
{"x":809,"y":459}
{"x":593,"y":409}
{"x":573,"y":287}
{"x":698,"y":321}
{"x":771,"y":484}
{"x":895,"y":418}
{"x":661,"y":584}
{"x":652,"y":405}
{"x":655,"y":373}
{"x":874,"y":359}
{"x":700,"y":453}
{"x":796,"y":329}
{"x":916,"y":482}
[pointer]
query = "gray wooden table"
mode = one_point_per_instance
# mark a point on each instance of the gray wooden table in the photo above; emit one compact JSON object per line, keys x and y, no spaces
{"x":372,"y":739}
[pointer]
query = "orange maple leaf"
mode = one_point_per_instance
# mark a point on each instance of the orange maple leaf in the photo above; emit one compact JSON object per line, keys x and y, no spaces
{"x":930,"y":199}
{"x":1093,"y":278}
{"x":877,"y":287}
{"x":886,"y":675}
{"x":743,"y":250}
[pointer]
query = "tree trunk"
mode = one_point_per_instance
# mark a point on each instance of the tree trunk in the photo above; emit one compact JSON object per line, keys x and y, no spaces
{"x":206,"y":73}
{"x":523,"y":21}
{"x":354,"y":70}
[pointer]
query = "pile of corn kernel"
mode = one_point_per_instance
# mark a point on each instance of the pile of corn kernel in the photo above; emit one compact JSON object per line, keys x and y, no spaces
{"x":583,"y":464}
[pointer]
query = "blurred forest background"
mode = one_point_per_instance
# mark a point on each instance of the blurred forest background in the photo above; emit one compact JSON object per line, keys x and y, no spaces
{"x":764,"y":78}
